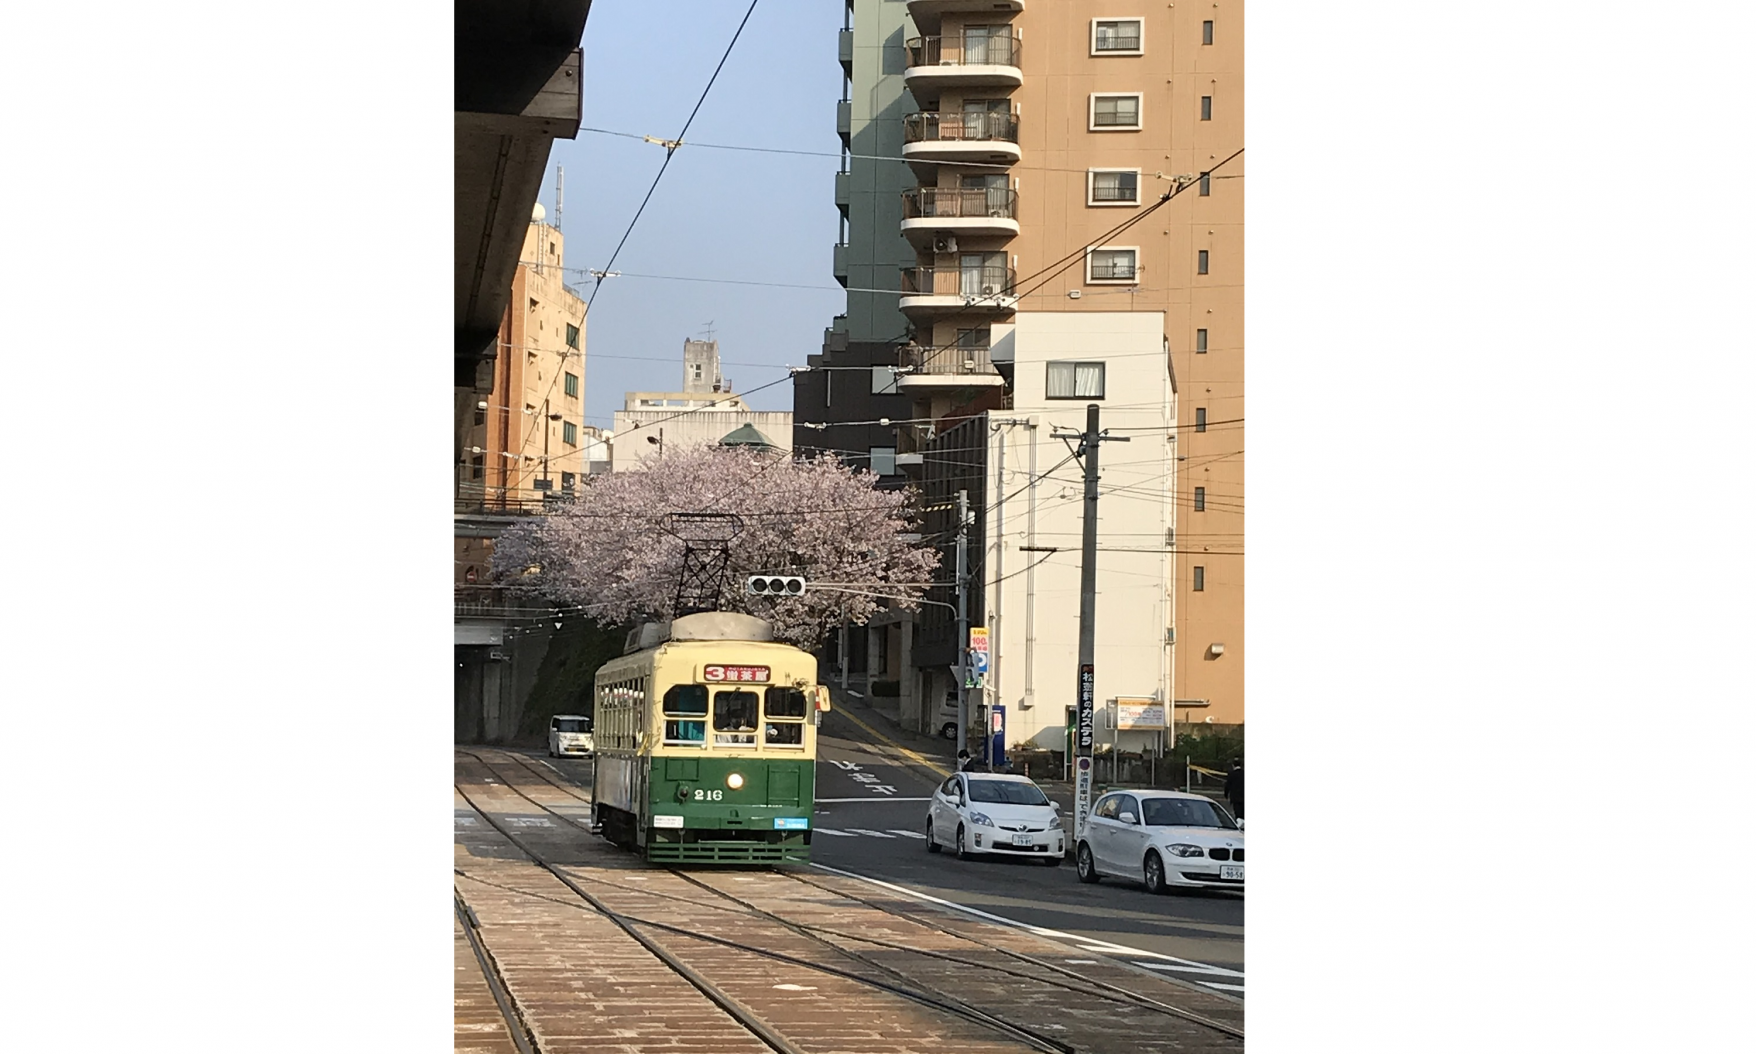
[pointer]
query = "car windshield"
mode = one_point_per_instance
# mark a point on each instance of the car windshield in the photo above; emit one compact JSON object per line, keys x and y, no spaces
{"x":1185,"y":812}
{"x":574,"y":724}
{"x":1006,"y":792}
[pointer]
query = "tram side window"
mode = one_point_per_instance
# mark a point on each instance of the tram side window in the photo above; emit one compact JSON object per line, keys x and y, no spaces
{"x":734,"y":717}
{"x":788,"y":705}
{"x":682,"y":703}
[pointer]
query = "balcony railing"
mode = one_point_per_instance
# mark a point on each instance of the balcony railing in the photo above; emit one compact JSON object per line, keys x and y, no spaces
{"x":952,"y":360}
{"x":924,"y":203}
{"x":967,"y":50}
{"x":935,"y":127}
{"x":970,"y":283}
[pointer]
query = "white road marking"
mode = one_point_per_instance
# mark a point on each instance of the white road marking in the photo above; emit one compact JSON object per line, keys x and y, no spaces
{"x":1080,"y":962}
{"x":1170,"y":967}
{"x":467,"y":821}
{"x":796,"y":987}
{"x":874,"y":834}
{"x":529,"y":821}
{"x":821,"y":801}
{"x":838,"y":834}
{"x":1041,"y":931}
{"x":909,"y":834}
{"x":1227,"y":987}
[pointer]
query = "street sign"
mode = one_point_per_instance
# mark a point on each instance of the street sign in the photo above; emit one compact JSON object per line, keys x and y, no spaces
{"x":978,"y":648}
{"x":1083,"y":747}
{"x":1087,"y":680}
{"x":1081,"y":795}
{"x":1139,"y":713}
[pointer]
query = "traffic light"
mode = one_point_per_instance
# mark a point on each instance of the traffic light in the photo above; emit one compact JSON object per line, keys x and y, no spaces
{"x":774,"y":585}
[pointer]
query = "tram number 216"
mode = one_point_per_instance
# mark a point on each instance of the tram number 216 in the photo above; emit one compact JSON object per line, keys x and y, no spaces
{"x":709,"y":795}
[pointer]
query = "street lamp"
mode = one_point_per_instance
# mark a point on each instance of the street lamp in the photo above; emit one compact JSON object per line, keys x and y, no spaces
{"x":659,"y":441}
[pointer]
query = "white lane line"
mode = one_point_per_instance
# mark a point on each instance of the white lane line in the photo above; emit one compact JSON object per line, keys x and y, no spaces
{"x":874,"y":834}
{"x":1083,"y":943}
{"x":909,"y":834}
{"x":1080,"y":962}
{"x":843,"y":801}
{"x":1170,"y":967}
{"x":838,"y":834}
{"x":1227,"y":987}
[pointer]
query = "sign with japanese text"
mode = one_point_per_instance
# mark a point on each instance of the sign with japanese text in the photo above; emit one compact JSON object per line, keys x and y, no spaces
{"x":1139,"y":713}
{"x":1087,"y":716}
{"x":752,"y":674}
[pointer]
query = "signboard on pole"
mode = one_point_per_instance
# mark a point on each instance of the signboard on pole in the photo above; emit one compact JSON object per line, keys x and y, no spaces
{"x":978,"y":648}
{"x":1139,"y":713}
{"x":1081,"y":795}
{"x":1083,"y":740}
{"x":1087,"y":712}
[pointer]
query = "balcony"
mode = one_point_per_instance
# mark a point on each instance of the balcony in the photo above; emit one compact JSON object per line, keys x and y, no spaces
{"x":931,"y":138}
{"x":930,"y":213}
{"x":976,"y":292}
{"x":844,"y":120}
{"x":845,"y":46}
{"x":838,"y":264}
{"x":843,"y":191}
{"x":928,"y":13}
{"x":953,"y":367}
{"x":973,"y":60}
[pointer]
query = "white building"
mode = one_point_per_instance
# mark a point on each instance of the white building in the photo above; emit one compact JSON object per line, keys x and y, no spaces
{"x":1058,"y":363}
{"x":653,"y":424}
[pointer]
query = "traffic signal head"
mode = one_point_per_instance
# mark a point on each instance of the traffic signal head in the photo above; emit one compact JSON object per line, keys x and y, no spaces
{"x":774,"y":585}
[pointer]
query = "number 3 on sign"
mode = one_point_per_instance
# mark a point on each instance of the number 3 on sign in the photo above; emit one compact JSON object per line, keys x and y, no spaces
{"x":701,"y":795}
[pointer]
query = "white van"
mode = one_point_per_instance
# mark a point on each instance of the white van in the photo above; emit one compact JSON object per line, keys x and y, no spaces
{"x":570,"y":736}
{"x":948,"y":716}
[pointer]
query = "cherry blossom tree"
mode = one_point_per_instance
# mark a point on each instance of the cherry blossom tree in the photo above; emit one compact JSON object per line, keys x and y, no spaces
{"x":609,"y":551}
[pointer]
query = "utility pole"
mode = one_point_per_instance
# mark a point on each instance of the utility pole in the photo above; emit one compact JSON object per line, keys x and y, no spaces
{"x":962,"y":620}
{"x":1083,"y":738}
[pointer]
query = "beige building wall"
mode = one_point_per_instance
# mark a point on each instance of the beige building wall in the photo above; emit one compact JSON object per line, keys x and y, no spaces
{"x":1059,"y":148}
{"x":651,"y":422}
{"x":532,"y":429}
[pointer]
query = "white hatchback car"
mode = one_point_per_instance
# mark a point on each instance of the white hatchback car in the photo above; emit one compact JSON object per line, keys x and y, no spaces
{"x":1166,"y":839}
{"x":980,"y":812}
{"x":570,"y":736}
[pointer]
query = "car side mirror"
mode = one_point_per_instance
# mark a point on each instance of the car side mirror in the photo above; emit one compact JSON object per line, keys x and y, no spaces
{"x":1126,"y":817}
{"x":1240,"y":825}
{"x":1055,"y":805}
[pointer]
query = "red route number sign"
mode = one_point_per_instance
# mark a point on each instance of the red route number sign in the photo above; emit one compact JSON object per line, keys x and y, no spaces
{"x":751,"y":674}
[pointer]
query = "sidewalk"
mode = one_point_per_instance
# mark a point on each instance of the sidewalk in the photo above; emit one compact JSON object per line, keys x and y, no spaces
{"x":884,"y":714}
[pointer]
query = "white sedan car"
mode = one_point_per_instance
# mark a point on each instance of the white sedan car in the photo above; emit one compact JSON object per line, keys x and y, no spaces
{"x":1165,"y":839}
{"x":980,"y":812}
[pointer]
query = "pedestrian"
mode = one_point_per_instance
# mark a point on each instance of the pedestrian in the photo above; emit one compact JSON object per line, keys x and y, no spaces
{"x":1235,"y":787}
{"x":965,"y":763}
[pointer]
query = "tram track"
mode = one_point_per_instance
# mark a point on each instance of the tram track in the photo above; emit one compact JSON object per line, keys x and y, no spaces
{"x":905,"y":983}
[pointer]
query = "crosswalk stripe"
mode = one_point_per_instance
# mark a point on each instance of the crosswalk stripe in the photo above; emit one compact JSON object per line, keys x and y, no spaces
{"x":874,"y":834}
{"x":909,"y":834}
{"x":838,"y":834}
{"x":1189,"y":969}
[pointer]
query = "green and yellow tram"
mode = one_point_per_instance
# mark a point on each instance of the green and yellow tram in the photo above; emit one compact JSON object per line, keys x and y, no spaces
{"x":707,"y":743}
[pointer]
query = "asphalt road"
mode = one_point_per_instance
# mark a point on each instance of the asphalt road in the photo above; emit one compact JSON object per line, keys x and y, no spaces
{"x":871,"y":820}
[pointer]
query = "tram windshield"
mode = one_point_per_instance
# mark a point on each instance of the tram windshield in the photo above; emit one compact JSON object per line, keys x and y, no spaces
{"x":686,"y":701}
{"x":734,"y":717}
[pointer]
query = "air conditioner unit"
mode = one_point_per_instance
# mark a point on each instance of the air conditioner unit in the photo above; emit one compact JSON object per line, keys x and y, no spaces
{"x":990,"y":290}
{"x":944,"y":243}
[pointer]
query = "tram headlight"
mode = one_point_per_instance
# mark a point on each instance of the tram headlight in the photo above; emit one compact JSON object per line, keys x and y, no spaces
{"x":735,"y":780}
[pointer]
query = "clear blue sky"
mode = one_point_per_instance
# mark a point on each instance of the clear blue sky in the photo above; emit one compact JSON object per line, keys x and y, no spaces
{"x":717,"y":213}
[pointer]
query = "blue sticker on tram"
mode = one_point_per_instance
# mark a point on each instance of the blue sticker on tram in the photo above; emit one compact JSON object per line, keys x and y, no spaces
{"x":791,"y":823}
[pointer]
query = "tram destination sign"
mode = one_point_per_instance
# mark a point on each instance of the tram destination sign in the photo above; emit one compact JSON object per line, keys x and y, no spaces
{"x":749,"y":674}
{"x":1087,"y":716}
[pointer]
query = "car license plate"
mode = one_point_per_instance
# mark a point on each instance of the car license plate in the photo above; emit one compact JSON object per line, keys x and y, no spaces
{"x":1023,"y":839}
{"x":1232,"y":872}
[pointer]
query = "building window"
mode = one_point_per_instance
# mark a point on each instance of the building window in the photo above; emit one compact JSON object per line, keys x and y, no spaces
{"x":572,"y":335}
{"x":1201,"y":342}
{"x":883,"y":460}
{"x":1207,"y":32}
{"x":1206,"y":184}
{"x":1201,"y":418}
{"x":1201,"y":262}
{"x":1207,"y":107}
{"x":1115,"y":111}
{"x":1075,"y":380}
{"x":567,"y":481}
{"x":569,"y":433}
{"x":533,"y":303}
{"x":1200,"y":578}
{"x":1111,"y":265}
{"x":1119,"y":186}
{"x":477,"y":465}
{"x":1200,"y":499}
{"x":883,"y":381}
{"x":973,"y":339}
{"x":570,"y":385}
{"x":1115,"y":36}
{"x":481,"y":417}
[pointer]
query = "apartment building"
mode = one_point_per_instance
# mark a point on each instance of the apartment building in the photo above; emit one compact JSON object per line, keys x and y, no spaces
{"x":1041,"y":136}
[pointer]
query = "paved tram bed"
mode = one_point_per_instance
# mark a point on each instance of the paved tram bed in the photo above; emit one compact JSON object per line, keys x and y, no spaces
{"x":816,"y":961}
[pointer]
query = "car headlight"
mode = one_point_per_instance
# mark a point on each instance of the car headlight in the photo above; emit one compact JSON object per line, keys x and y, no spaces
{"x":1185,"y":849}
{"x":980,"y":819}
{"x":1055,"y":822}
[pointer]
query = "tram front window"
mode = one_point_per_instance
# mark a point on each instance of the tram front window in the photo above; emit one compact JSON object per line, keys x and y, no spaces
{"x":683,"y":702}
{"x":734,"y":718}
{"x":788,"y":704}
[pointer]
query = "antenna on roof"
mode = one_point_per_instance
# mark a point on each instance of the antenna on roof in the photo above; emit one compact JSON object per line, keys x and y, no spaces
{"x":708,"y":329}
{"x":560,"y":178}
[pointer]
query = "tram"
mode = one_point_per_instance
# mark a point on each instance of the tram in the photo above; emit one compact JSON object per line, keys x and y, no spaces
{"x":706,"y":733}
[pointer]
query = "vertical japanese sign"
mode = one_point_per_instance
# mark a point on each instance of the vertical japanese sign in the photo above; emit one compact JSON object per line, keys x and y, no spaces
{"x":978,"y":655}
{"x":1082,"y":746}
